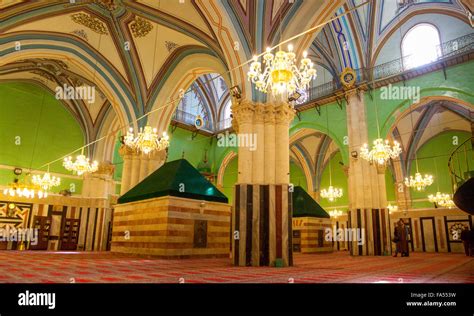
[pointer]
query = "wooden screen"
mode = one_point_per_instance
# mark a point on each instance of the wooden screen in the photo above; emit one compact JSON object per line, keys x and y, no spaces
{"x":43,"y":225}
{"x":69,"y":234}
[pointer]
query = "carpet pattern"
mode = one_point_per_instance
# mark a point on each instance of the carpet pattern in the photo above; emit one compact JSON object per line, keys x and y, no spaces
{"x":81,"y":267}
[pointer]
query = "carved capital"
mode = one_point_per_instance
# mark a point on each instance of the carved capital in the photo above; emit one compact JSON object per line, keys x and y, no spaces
{"x":269,"y":114}
{"x":125,"y":151}
{"x":243,"y":112}
{"x":259,"y":113}
{"x":105,"y":168}
{"x":284,"y":113}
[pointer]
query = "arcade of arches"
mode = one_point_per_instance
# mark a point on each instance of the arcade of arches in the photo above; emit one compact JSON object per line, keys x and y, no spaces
{"x":245,"y":178}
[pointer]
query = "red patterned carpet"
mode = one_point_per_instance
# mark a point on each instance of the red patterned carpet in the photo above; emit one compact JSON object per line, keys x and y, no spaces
{"x":63,"y":267}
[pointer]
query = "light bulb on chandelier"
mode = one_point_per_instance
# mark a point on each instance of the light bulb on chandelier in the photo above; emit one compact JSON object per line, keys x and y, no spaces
{"x":147,"y":140}
{"x":280,"y":74}
{"x":47,"y":181}
{"x":81,"y":165}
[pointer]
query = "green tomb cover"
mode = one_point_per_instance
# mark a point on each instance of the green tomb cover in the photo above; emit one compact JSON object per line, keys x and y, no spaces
{"x":305,"y":206}
{"x":167,"y":180}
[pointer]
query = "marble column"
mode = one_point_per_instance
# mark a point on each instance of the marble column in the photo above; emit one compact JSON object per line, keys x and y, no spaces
{"x":144,"y":164}
{"x":135,"y":169}
{"x":99,"y":184}
{"x":367,"y":194}
{"x":126,"y":154}
{"x":261,"y":218}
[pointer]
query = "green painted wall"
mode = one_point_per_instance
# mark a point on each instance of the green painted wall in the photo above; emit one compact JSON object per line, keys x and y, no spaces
{"x":230,"y":178}
{"x":45,"y":130}
{"x":297,"y":177}
{"x":437,"y":149}
{"x":339,"y":180}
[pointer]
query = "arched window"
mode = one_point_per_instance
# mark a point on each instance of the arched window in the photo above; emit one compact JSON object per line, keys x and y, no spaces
{"x":420,"y":46}
{"x":226,"y":119}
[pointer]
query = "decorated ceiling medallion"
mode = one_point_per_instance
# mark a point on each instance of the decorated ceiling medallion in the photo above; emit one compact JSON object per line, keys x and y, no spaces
{"x":140,"y":27}
{"x":348,"y":77}
{"x":90,"y":22}
{"x":198,"y":122}
{"x":280,"y":74}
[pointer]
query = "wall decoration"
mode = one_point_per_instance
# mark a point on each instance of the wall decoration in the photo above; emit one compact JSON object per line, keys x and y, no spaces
{"x":140,"y":27}
{"x":171,"y":46}
{"x":90,"y":22}
{"x":81,"y":33}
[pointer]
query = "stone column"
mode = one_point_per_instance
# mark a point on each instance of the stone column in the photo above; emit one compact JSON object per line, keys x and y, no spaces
{"x":135,"y":169}
{"x":284,"y":114}
{"x":258,"y":154}
{"x":270,"y":143}
{"x":243,"y":113}
{"x":156,"y":160}
{"x":126,"y":154}
{"x":261,"y":218}
{"x":144,"y":163}
{"x":99,"y":184}
{"x":367,"y":195}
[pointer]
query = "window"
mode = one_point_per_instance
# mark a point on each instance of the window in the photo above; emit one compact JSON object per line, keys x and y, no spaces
{"x":420,"y":46}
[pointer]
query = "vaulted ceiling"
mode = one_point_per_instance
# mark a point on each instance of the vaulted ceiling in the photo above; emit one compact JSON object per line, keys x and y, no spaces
{"x":140,"y":55}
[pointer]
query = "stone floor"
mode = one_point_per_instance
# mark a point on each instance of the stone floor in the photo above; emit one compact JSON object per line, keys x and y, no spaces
{"x":66,"y":267}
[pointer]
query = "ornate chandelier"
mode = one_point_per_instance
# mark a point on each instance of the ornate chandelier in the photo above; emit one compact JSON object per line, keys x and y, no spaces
{"x":331,"y":193}
{"x":419,"y":182}
{"x":280,"y":74}
{"x":81,"y":165}
{"x":439,"y":198}
{"x":335,"y":213}
{"x":449,"y":203}
{"x":47,"y":181}
{"x":147,"y":140}
{"x":17,"y":189}
{"x":381,"y":151}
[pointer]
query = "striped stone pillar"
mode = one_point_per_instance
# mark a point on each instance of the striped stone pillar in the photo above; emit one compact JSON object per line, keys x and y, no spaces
{"x":261,"y":220}
{"x":126,"y":154}
{"x":368,"y":219}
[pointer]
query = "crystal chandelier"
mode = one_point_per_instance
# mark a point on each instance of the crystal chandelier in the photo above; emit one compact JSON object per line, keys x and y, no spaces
{"x":147,"y":140}
{"x":439,"y":198}
{"x":81,"y":165}
{"x":381,"y":151}
{"x":47,"y":181}
{"x":392,"y":208}
{"x":17,"y":189}
{"x":449,"y":203}
{"x":331,"y":193}
{"x":280,"y":74}
{"x":419,"y":182}
{"x":335,"y":213}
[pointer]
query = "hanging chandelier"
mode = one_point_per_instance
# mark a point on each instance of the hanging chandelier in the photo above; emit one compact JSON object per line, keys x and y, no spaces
{"x":331,"y":193}
{"x":280,"y":74}
{"x":81,"y":165}
{"x":419,"y":182}
{"x":449,"y":203}
{"x":147,"y":140}
{"x":381,"y":151}
{"x":47,"y":181}
{"x":17,"y":189}
{"x":335,"y":213}
{"x":439,"y":198}
{"x":392,"y":208}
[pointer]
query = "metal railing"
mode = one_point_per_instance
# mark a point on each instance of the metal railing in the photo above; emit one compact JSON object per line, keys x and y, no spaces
{"x":452,"y":48}
{"x":190,"y":119}
{"x":461,"y":163}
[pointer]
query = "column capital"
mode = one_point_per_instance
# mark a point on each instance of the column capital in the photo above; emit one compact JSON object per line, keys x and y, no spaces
{"x":259,"y":112}
{"x":243,"y":112}
{"x":284,"y":113}
{"x":124,"y":150}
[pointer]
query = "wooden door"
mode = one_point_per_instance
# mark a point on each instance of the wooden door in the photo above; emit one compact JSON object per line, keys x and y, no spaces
{"x":43,"y":225}
{"x":70,"y":234}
